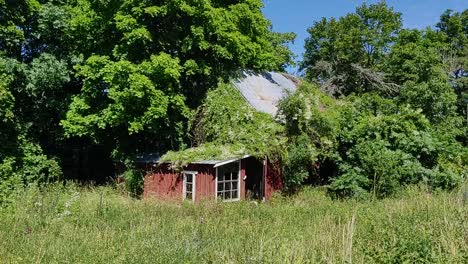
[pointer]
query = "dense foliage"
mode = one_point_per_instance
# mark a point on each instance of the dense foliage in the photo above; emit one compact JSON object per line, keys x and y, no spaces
{"x":139,"y":92}
{"x":124,"y":77}
{"x":344,"y":55}
{"x":395,"y":121}
{"x":373,"y":145}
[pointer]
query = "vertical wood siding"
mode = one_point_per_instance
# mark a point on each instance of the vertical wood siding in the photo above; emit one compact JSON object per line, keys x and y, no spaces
{"x":163,"y":183}
{"x":205,"y":181}
{"x":166,"y":184}
{"x":273,"y":179}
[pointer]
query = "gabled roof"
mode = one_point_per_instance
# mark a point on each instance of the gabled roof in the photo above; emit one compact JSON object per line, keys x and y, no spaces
{"x":263,"y":91}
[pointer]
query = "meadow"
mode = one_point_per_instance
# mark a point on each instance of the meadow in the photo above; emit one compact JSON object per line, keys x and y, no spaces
{"x":70,"y":224}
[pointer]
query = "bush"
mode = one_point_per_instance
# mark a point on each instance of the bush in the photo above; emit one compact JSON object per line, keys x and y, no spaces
{"x":29,"y":166}
{"x":393,"y":146}
{"x":377,"y":145}
{"x":301,"y":156}
{"x":311,"y":133}
{"x":134,"y":180}
{"x":10,"y":181}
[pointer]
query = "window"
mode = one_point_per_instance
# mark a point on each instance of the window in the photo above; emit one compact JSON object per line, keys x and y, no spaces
{"x":189,"y":185}
{"x":227,"y":181}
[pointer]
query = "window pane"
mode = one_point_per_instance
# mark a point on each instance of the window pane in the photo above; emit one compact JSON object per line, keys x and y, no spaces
{"x":188,"y":196}
{"x":235,"y":175}
{"x":189,"y":177}
{"x":228,"y":180}
{"x":220,"y":175}
{"x":189,"y":187}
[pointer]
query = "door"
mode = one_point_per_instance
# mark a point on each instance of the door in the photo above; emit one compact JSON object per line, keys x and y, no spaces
{"x":188,"y":189}
{"x":253,"y":178}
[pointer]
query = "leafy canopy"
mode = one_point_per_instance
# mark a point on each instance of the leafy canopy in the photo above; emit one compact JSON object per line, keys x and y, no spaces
{"x":143,"y":88}
{"x":345,"y":55}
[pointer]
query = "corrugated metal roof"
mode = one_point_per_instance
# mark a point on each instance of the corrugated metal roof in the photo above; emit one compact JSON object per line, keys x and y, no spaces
{"x":263,"y":91}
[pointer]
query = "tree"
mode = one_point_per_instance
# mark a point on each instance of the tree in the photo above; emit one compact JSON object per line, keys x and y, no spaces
{"x":22,"y":161}
{"x":32,"y":94}
{"x":454,"y":26}
{"x":345,"y":55}
{"x":415,"y":63}
{"x":142,"y":87}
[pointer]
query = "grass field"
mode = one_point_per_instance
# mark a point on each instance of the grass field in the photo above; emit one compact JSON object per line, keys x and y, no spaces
{"x":99,"y":225}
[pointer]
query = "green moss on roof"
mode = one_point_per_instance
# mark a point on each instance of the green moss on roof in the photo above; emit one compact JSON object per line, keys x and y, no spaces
{"x":204,"y":152}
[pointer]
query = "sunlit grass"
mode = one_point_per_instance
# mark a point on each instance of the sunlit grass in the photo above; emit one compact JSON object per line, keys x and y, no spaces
{"x":99,"y":225}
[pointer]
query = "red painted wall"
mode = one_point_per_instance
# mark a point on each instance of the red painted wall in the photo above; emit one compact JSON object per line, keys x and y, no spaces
{"x":163,"y":183}
{"x":273,"y":179}
{"x":204,"y":181}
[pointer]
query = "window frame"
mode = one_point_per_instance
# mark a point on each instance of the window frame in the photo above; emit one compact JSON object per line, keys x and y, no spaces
{"x":238,"y":184}
{"x":184,"y":184}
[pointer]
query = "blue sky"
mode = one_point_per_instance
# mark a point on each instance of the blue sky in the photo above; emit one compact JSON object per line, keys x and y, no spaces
{"x":297,"y":15}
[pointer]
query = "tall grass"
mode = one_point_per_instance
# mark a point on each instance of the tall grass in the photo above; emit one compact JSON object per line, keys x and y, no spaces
{"x":98,"y":225}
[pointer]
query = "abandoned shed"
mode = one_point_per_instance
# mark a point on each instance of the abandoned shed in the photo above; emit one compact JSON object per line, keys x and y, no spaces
{"x":227,"y":178}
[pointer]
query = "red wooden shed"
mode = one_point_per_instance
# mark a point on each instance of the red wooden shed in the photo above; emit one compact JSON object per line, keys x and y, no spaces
{"x":228,"y":180}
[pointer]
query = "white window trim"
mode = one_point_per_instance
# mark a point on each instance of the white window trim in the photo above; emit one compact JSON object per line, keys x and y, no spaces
{"x":184,"y":183}
{"x":238,"y":185}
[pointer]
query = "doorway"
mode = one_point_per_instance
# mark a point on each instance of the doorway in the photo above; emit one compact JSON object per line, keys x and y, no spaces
{"x":254,"y":178}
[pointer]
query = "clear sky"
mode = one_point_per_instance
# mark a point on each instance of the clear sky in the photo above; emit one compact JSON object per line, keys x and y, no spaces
{"x":297,"y":15}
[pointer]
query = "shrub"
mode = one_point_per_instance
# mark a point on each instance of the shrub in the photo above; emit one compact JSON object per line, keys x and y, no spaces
{"x":377,"y":145}
{"x":10,"y":181}
{"x":133,"y":179}
{"x":26,"y":166}
{"x":301,"y":156}
{"x":311,"y":123}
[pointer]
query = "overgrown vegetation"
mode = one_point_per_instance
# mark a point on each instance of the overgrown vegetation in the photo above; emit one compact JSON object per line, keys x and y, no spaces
{"x":226,"y":127}
{"x":134,"y":77}
{"x":372,"y":145}
{"x":391,"y":118}
{"x":121,"y":76}
{"x":69,"y":224}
